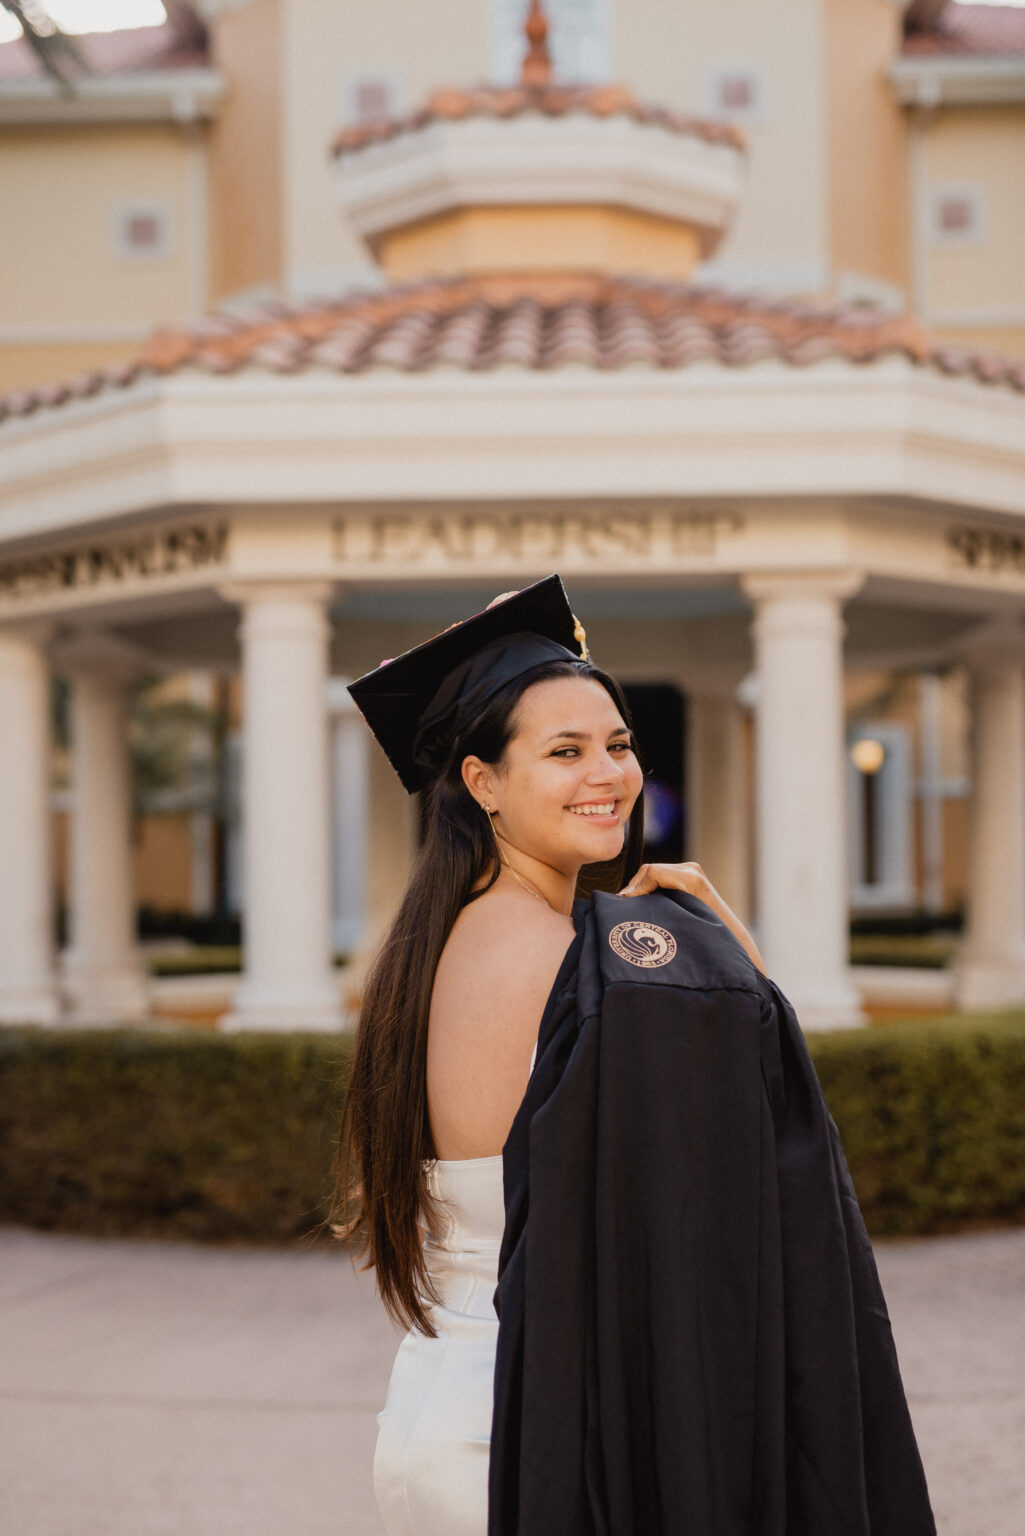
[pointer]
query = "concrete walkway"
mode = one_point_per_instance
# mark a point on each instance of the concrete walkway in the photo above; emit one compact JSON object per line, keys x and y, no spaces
{"x":156,"y":1390}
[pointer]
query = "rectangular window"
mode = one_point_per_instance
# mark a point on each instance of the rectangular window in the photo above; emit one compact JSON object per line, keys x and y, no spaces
{"x":735,"y":93}
{"x":579,"y":40}
{"x":370,"y":97}
{"x":957,"y":215}
{"x":142,"y":231}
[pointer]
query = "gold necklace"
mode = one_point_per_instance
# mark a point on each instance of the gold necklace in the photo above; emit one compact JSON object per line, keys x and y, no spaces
{"x":525,"y":883}
{"x":489,"y":813}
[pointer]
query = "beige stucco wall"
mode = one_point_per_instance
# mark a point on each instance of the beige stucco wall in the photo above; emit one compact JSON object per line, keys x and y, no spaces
{"x":867,"y":161}
{"x":326,"y":41}
{"x":1007,"y":339}
{"x":59,"y":271}
{"x":983,"y":147}
{"x":664,"y":52}
{"x":955,"y":724}
{"x":246,"y":164}
{"x":161,"y":861}
{"x":162,"y":856}
{"x":22,"y":366}
{"x":528,"y":239}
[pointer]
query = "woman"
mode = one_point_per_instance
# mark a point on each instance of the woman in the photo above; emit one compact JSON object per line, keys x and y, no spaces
{"x":533,"y":793}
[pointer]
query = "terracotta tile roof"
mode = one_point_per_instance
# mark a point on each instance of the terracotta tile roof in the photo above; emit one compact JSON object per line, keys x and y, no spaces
{"x":180,"y":42}
{"x":451,"y":104}
{"x":988,"y":30}
{"x":535,"y":321}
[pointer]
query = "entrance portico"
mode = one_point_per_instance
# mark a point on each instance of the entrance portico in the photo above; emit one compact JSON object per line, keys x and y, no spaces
{"x":703,"y":602}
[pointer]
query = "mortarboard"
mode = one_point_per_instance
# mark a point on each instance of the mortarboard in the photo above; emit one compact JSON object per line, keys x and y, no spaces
{"x":418,"y":704}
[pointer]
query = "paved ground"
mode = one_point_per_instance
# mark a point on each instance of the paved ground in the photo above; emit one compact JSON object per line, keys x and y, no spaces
{"x":156,"y":1390}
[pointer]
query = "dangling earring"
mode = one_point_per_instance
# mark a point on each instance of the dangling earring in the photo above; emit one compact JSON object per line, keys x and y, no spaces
{"x":504,"y":861}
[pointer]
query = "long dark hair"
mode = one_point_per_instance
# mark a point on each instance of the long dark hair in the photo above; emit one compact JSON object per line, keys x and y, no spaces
{"x":381,"y":1193}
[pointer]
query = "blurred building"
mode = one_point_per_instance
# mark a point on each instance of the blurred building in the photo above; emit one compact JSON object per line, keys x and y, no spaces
{"x":187,"y":165}
{"x":745,"y":366}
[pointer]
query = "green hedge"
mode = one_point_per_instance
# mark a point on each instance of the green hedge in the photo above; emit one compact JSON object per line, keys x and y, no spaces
{"x":187,"y":1134}
{"x":927,"y":951}
{"x":932,"y":1117}
{"x":230,"y":1137}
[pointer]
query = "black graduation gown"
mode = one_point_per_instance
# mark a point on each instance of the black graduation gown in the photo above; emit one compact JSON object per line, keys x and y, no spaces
{"x":692,"y":1336}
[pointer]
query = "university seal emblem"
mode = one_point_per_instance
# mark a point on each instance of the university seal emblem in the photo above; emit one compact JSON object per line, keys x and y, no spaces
{"x":643,"y":944}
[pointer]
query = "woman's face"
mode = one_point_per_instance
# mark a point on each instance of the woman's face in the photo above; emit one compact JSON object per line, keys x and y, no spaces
{"x":569,"y":778}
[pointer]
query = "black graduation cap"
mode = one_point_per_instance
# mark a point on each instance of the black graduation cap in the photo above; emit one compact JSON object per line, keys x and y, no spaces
{"x":418,"y":704}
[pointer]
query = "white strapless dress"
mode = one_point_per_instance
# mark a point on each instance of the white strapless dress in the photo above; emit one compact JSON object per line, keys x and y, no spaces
{"x":434,"y":1433}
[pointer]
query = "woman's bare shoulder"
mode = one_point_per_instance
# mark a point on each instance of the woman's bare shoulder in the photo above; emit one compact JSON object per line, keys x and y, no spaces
{"x":490,"y":991}
{"x":504,"y":947}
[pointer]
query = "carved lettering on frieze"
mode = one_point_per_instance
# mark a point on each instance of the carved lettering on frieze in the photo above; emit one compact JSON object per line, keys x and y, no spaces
{"x":697,"y":533}
{"x":987,"y":549}
{"x":600,"y":538}
{"x":162,"y":552}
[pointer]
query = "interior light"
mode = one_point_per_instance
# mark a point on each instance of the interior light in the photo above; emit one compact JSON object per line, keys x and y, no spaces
{"x":867,"y":754}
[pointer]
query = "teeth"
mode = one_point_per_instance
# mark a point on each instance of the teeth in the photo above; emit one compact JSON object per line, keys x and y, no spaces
{"x":593,"y":810}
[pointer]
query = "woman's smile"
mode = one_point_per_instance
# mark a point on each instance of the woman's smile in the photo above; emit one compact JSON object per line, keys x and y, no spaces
{"x":604,"y":811}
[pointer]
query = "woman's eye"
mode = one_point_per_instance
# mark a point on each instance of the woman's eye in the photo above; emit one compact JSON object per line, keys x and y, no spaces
{"x":615,"y":746}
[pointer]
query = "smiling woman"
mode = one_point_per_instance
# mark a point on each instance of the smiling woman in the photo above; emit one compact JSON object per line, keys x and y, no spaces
{"x":585,"y":1152}
{"x":526,"y":756}
{"x":584,"y":1149}
{"x":524,"y":751}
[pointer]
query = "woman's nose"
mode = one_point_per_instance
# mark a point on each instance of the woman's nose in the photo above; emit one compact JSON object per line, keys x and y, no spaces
{"x":606,"y":769}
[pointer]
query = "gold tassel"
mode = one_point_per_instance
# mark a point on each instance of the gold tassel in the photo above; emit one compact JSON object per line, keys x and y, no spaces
{"x":580,"y":636}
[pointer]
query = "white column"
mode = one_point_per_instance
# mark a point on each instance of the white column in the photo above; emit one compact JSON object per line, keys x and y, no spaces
{"x":28,"y":983}
{"x":717,"y":800}
{"x":930,"y":789}
{"x":393,"y":840}
{"x":350,"y":814}
{"x":201,"y":823}
{"x":801,"y":791}
{"x":991,"y":968}
{"x":288,"y":981}
{"x":103,"y":973}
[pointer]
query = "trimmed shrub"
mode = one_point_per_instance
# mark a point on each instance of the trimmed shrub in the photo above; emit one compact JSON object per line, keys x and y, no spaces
{"x":204,"y":1136}
{"x":231,"y":1137}
{"x":928,"y":951}
{"x":932,"y":1116}
{"x":211,"y":960}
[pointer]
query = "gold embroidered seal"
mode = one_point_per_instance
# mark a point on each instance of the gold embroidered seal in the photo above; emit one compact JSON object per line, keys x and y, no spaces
{"x":643,"y":944}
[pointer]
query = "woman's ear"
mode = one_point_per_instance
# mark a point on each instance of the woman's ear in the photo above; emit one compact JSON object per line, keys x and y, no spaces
{"x":477,"y":778}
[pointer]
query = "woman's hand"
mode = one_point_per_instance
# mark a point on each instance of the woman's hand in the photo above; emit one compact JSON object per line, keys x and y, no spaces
{"x":692,"y":879}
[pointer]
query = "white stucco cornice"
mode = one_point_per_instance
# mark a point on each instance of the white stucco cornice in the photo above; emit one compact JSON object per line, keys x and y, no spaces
{"x":958,"y":80}
{"x":537,"y":159}
{"x":179,"y":96}
{"x":888,"y":429}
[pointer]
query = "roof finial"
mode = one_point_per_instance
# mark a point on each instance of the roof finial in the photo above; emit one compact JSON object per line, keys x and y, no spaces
{"x":537,"y":61}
